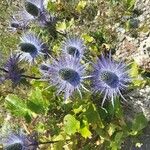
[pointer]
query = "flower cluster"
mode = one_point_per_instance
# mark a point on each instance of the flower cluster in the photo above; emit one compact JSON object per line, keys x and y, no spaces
{"x":108,"y":77}
{"x":67,"y":72}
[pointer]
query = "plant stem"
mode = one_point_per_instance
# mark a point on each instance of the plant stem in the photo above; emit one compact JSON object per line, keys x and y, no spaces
{"x":30,"y":77}
{"x":51,"y":142}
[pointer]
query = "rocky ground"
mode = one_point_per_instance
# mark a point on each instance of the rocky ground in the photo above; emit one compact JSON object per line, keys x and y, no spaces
{"x":135,"y":44}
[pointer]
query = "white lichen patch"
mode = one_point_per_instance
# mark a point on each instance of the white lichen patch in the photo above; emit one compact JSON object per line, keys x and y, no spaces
{"x":139,"y":101}
{"x":142,"y":57}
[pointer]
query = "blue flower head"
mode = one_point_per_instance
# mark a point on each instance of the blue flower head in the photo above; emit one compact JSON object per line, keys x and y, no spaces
{"x":74,"y":47}
{"x":66,"y":74}
{"x":13,"y":71}
{"x":18,"y":141}
{"x":30,"y":47}
{"x":36,"y":9}
{"x":110,"y":78}
{"x":33,"y":7}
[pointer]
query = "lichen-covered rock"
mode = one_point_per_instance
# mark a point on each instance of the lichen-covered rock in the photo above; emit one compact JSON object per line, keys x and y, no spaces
{"x":126,"y":48}
{"x":142,"y":57}
{"x":138,"y":101}
{"x":136,"y":48}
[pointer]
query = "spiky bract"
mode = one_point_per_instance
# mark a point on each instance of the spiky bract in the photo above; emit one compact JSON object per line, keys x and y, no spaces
{"x":13,"y":70}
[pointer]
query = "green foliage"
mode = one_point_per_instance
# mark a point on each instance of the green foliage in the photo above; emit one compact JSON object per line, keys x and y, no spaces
{"x":136,"y":75}
{"x":139,"y":123}
{"x":37,"y":103}
{"x":93,"y":116}
{"x":71,"y":124}
{"x":17,"y":107}
{"x":129,"y":4}
{"x":81,"y":5}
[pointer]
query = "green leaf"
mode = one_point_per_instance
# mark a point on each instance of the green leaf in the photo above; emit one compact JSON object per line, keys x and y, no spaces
{"x":71,"y":125}
{"x":17,"y":107}
{"x":62,"y":26}
{"x":78,"y":110}
{"x":85,"y":132}
{"x":116,"y":109}
{"x":84,"y":129}
{"x":93,"y":116}
{"x":139,"y":123}
{"x":37,"y":103}
{"x":135,"y":74}
{"x":134,"y":70}
{"x":87,"y":38}
{"x":116,"y":142}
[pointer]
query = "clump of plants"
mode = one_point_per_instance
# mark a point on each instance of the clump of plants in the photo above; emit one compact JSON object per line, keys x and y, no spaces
{"x":65,"y":91}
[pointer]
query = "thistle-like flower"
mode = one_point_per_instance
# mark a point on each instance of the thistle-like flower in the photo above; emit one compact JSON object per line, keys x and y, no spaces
{"x":31,"y":47}
{"x":36,"y":9}
{"x":74,"y":47}
{"x":12,"y":69}
{"x":67,"y":74}
{"x":15,"y":141}
{"x":110,"y":78}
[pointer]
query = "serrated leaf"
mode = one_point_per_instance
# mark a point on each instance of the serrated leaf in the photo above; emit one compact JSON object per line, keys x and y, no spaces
{"x":71,"y":125}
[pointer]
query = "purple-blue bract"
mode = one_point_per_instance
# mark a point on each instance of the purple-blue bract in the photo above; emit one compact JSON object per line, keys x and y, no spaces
{"x":67,"y":74}
{"x":110,"y":78}
{"x":14,"y":72}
